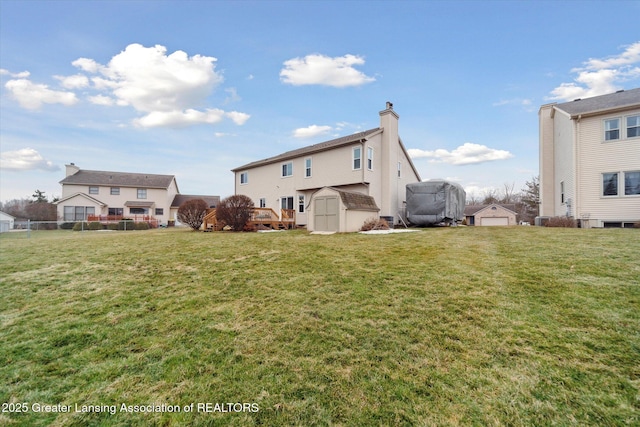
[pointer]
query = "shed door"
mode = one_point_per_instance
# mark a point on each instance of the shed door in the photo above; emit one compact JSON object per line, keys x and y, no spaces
{"x":495,"y":221}
{"x":326,"y":214}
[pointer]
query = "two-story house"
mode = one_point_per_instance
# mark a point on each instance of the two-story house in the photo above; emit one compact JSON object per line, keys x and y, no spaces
{"x":326,"y":182}
{"x":87,"y":194}
{"x":590,"y":159}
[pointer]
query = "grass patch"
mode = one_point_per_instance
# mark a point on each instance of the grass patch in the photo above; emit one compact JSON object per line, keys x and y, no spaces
{"x":466,"y":325}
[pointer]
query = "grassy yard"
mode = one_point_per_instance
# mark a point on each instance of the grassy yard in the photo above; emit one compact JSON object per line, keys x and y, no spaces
{"x":446,"y":326}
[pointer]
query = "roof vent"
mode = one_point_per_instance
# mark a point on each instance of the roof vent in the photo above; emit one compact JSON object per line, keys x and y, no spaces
{"x":389,"y":106}
{"x":577,"y":99}
{"x":621,"y":90}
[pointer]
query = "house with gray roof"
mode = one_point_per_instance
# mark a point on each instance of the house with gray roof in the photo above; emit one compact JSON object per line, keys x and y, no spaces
{"x":90,"y":195}
{"x":590,"y":159}
{"x":365,"y":172}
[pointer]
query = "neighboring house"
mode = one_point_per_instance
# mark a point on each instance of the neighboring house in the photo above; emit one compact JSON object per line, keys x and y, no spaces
{"x":89,"y":194}
{"x":492,"y":214}
{"x":6,"y":222}
{"x":313,"y":181}
{"x":590,"y":159}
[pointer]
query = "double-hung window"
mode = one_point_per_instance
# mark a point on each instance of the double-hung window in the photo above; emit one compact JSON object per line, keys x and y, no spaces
{"x":370,"y":158}
{"x":142,"y":193}
{"x":307,"y":167}
{"x":287,"y":169}
{"x":244,"y":177}
{"x":357,"y":158}
{"x":632,"y":183}
{"x":611,"y":129}
{"x":94,"y":190}
{"x":633,"y":126}
{"x":610,"y":184}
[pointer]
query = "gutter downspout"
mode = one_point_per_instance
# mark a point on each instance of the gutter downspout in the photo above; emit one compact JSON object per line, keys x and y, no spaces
{"x":576,"y":161}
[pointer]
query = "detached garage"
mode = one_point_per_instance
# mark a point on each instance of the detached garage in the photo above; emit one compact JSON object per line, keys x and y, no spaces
{"x":6,"y":222}
{"x":335,"y":210}
{"x":490,"y":215}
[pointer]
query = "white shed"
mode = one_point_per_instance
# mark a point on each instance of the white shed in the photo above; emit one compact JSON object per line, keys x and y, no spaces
{"x":6,"y":222}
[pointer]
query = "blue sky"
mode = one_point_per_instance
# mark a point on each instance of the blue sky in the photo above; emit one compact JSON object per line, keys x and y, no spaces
{"x":196,"y":88}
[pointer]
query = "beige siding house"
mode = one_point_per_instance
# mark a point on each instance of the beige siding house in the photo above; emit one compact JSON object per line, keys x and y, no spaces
{"x":374,"y":163}
{"x":87,"y":194}
{"x":590,"y":159}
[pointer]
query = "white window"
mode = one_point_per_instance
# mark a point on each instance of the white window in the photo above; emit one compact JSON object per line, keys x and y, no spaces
{"x":632,"y":183}
{"x":286,"y":202}
{"x":399,"y":170}
{"x":611,"y":129}
{"x":633,"y":126}
{"x":78,"y":213}
{"x":610,"y":184}
{"x":263,"y":203}
{"x":307,"y":167}
{"x":370,"y":158}
{"x":244,"y":178}
{"x":115,"y":191}
{"x":142,"y":193}
{"x":357,"y":158}
{"x":561,"y":191}
{"x":301,"y":203}
{"x":287,"y":169}
{"x":93,"y":190}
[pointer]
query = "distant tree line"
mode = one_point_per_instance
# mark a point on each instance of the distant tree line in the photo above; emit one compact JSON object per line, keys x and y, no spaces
{"x":526,"y":201}
{"x":36,"y":208}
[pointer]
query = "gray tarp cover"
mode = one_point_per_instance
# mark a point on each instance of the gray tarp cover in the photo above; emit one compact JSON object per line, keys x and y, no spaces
{"x":434,"y":201}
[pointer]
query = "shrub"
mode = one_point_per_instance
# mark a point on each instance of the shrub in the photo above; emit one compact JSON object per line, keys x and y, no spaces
{"x":112,"y":226}
{"x":375,"y":224}
{"x":235,"y":211}
{"x":67,"y":225}
{"x":126,"y":224}
{"x":142,"y":226}
{"x":95,"y":226}
{"x":561,"y":221}
{"x":79,"y":226}
{"x":192,"y":213}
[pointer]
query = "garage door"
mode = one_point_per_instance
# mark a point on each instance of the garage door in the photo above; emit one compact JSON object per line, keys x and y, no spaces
{"x":495,"y":221}
{"x":326,"y":214}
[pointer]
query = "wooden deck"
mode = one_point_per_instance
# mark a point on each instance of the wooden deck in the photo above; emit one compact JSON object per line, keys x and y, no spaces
{"x":260,"y":218}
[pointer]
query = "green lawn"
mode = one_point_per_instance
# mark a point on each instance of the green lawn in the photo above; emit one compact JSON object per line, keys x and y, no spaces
{"x":445,"y":326}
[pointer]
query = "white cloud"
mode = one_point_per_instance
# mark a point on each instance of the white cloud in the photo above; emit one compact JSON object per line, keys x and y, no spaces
{"x":77,"y":81}
{"x":25,"y":159}
{"x":601,"y":76}
{"x":167,"y":89}
{"x":311,"y":131}
{"x":466,"y":154}
{"x":178,"y":119}
{"x":323,"y":70}
{"x":31,"y":95}
{"x":21,"y":75}
{"x":101,"y":100}
{"x":237,"y":117}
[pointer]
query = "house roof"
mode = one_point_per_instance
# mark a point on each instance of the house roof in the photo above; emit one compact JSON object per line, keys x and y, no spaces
{"x":311,"y":149}
{"x":86,"y":196}
{"x":118,"y":179}
{"x":474,"y":209}
{"x":598,"y":104}
{"x":212,"y":201}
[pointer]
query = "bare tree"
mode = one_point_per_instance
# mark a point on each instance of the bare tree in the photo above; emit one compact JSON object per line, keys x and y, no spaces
{"x":235,"y":211}
{"x":192,"y":213}
{"x":508,"y":196}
